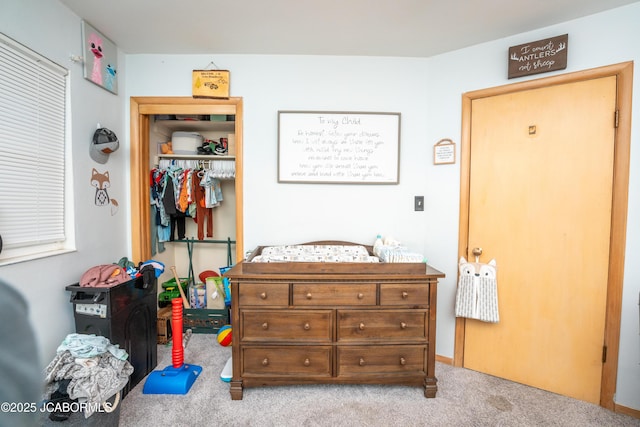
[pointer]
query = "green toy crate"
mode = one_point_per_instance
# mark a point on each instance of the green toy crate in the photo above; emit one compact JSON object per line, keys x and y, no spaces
{"x":204,"y":320}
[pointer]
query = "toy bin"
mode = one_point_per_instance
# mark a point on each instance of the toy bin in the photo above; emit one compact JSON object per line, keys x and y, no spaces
{"x":204,"y":320}
{"x":164,"y":325}
{"x":126,"y":314}
{"x":186,"y":142}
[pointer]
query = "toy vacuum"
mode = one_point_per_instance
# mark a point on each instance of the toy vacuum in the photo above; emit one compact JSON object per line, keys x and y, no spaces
{"x":179,"y":377}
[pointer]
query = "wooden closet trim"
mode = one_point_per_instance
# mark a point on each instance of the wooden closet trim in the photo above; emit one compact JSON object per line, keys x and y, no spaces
{"x":624,"y":74}
{"x":141,"y":108}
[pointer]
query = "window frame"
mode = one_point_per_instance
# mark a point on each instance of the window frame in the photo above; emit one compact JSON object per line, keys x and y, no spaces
{"x":38,"y":247}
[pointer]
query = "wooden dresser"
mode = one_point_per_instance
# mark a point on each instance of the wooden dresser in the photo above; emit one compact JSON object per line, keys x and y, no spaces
{"x":334,"y":328}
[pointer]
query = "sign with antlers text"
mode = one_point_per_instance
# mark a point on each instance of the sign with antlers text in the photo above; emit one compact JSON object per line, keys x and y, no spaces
{"x":537,"y":57}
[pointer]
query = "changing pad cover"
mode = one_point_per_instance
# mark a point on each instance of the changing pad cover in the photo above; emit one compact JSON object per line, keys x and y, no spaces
{"x":315,"y":253}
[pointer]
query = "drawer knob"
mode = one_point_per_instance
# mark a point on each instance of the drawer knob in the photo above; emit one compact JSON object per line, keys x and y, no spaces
{"x":361,"y":326}
{"x":308,"y":295}
{"x":307,"y":362}
{"x":403,"y":361}
{"x":360,"y":295}
{"x":265,"y":361}
{"x":307,"y":326}
{"x":405,"y":295}
{"x":265,"y":326}
{"x":263,"y":295}
{"x":403,"y":325}
{"x":361,"y":362}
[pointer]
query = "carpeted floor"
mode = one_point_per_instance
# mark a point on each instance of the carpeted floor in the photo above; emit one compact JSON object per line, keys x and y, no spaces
{"x":465,"y":398}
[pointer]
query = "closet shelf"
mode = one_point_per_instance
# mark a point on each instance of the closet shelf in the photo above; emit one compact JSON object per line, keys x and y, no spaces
{"x":195,"y":157}
{"x":196,"y":125}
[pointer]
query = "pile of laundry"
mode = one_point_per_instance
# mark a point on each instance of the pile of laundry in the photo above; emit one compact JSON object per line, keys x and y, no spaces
{"x":108,"y":275}
{"x":86,"y":369}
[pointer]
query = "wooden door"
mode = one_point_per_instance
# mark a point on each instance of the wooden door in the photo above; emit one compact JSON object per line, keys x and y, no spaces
{"x":540,"y":203}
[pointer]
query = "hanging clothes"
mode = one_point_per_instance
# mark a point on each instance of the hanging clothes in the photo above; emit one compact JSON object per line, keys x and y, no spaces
{"x":159,"y":180}
{"x":171,"y":203}
{"x":184,"y":199}
{"x":187,"y":188}
{"x":204,"y":215}
{"x":212,"y":189}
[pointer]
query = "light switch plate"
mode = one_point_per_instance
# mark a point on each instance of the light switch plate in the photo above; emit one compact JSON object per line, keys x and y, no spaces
{"x":418,"y":203}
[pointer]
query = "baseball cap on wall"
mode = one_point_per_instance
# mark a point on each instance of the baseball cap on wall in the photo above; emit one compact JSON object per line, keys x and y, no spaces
{"x":104,"y":143}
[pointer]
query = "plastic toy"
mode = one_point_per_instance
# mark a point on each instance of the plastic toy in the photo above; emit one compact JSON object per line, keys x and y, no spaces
{"x":224,"y":336}
{"x":227,"y":372}
{"x":178,"y":377}
{"x":171,"y":291}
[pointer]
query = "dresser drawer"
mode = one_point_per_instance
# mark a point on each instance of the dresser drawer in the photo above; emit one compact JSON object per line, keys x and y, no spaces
{"x":289,"y":325}
{"x":308,"y":361}
{"x":263,"y":294}
{"x":358,"y":325}
{"x":334,"y":294}
{"x":404,"y":294}
{"x":357,"y":360}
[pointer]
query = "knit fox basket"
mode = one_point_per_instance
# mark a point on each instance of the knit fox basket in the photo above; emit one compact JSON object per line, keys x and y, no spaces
{"x":477,"y":293}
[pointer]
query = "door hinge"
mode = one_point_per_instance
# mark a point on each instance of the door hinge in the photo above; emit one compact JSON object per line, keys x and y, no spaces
{"x":616,"y":119}
{"x":604,"y":354}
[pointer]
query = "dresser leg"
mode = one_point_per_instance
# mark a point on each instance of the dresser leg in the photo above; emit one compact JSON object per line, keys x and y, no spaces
{"x":236,"y":390}
{"x":430,"y":386}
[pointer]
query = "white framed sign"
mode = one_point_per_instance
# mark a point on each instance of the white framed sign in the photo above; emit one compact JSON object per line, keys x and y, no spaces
{"x":444,"y":152}
{"x":338,"y":147}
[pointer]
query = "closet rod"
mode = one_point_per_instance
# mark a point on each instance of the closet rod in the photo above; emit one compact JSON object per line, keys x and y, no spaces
{"x":191,"y":163}
{"x":192,"y":240}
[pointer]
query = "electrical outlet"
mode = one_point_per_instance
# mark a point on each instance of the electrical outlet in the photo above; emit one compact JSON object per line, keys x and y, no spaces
{"x":418,"y":203}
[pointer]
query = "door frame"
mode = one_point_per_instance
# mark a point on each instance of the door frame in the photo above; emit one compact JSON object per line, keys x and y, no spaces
{"x":141,"y":109}
{"x":624,"y":73}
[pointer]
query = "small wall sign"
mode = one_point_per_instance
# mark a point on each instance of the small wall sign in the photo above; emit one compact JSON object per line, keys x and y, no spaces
{"x":444,"y":152}
{"x":537,"y":57}
{"x":210,"y":84}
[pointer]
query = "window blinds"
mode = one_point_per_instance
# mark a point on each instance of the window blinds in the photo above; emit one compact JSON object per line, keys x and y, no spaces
{"x":32,"y":147}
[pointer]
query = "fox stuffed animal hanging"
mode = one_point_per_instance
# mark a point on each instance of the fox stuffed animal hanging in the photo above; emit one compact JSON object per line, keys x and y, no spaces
{"x":477,"y":294}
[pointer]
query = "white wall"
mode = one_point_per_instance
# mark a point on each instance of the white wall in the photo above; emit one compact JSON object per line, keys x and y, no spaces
{"x":53,"y":31}
{"x":271,"y":83}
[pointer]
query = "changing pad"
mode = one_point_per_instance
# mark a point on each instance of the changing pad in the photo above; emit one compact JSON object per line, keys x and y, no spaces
{"x":315,"y":253}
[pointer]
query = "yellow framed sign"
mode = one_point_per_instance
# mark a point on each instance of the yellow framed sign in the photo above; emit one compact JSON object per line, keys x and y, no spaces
{"x":210,"y":84}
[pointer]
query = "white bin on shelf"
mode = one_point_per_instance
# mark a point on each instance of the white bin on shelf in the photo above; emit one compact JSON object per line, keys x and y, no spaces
{"x":186,"y":142}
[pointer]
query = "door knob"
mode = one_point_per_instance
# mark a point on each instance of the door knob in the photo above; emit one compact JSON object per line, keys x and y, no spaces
{"x":476,"y":253}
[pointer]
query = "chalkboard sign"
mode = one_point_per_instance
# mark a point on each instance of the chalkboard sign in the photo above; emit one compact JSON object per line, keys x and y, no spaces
{"x":338,"y":147}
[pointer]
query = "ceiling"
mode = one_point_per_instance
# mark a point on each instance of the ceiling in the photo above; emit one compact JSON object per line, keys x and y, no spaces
{"x":409,"y":28}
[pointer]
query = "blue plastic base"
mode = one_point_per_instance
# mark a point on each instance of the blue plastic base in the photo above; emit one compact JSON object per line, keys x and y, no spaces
{"x":172,"y":380}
